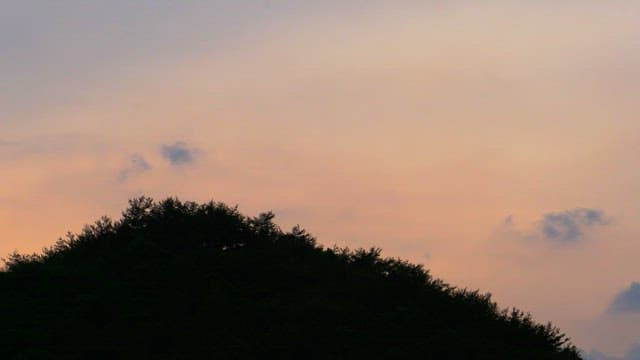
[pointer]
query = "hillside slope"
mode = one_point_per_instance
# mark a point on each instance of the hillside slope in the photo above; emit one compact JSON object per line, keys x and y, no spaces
{"x":176,"y":280}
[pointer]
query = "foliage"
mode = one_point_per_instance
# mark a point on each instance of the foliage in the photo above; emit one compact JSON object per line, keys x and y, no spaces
{"x":181,"y":280}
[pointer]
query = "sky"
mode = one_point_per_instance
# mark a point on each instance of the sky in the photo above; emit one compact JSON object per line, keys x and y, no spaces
{"x":494,"y":142}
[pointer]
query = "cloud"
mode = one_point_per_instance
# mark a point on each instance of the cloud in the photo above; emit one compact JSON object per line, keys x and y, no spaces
{"x":569,"y":225}
{"x":178,"y":153}
{"x":137,"y":166}
{"x":597,"y":355}
{"x":632,"y":354}
{"x":625,"y":305}
{"x":566,"y":226}
{"x":628,"y":301}
{"x":508,"y":221}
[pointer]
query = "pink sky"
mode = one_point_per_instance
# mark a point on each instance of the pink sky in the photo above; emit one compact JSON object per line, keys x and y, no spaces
{"x":411,"y":126}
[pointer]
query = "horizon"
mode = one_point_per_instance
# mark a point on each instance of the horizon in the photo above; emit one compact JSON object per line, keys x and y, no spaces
{"x":493,"y":143}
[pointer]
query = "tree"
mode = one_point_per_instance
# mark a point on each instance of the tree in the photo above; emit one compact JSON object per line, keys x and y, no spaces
{"x":174,"y":279}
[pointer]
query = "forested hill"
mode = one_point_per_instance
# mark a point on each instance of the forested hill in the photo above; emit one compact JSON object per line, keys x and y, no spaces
{"x":181,"y":280}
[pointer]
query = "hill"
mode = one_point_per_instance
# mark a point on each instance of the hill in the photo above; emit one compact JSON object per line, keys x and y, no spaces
{"x":181,"y":280}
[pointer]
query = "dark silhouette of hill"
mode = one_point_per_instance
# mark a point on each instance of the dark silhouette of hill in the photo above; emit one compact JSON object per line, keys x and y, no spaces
{"x":181,"y":280}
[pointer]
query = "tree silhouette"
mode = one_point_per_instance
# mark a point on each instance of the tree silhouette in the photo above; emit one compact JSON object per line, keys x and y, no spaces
{"x":181,"y":280}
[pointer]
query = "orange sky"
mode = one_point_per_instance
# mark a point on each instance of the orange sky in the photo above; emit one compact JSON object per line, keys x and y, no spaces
{"x":412,"y":126}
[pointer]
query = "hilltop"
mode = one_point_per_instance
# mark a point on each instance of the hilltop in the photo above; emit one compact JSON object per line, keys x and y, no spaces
{"x":182,"y":280}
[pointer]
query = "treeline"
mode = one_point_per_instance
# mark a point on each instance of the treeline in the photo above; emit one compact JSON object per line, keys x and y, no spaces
{"x":182,"y":280}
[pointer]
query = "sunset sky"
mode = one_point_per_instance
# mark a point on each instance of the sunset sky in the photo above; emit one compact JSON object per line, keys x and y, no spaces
{"x":496,"y":142}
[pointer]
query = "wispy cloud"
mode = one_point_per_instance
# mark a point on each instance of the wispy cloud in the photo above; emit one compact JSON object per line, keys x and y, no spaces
{"x":628,"y":301}
{"x":632,"y":354}
{"x":178,"y":153}
{"x":569,"y":225}
{"x":597,"y":355}
{"x":136,"y":166}
{"x":508,"y":221}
